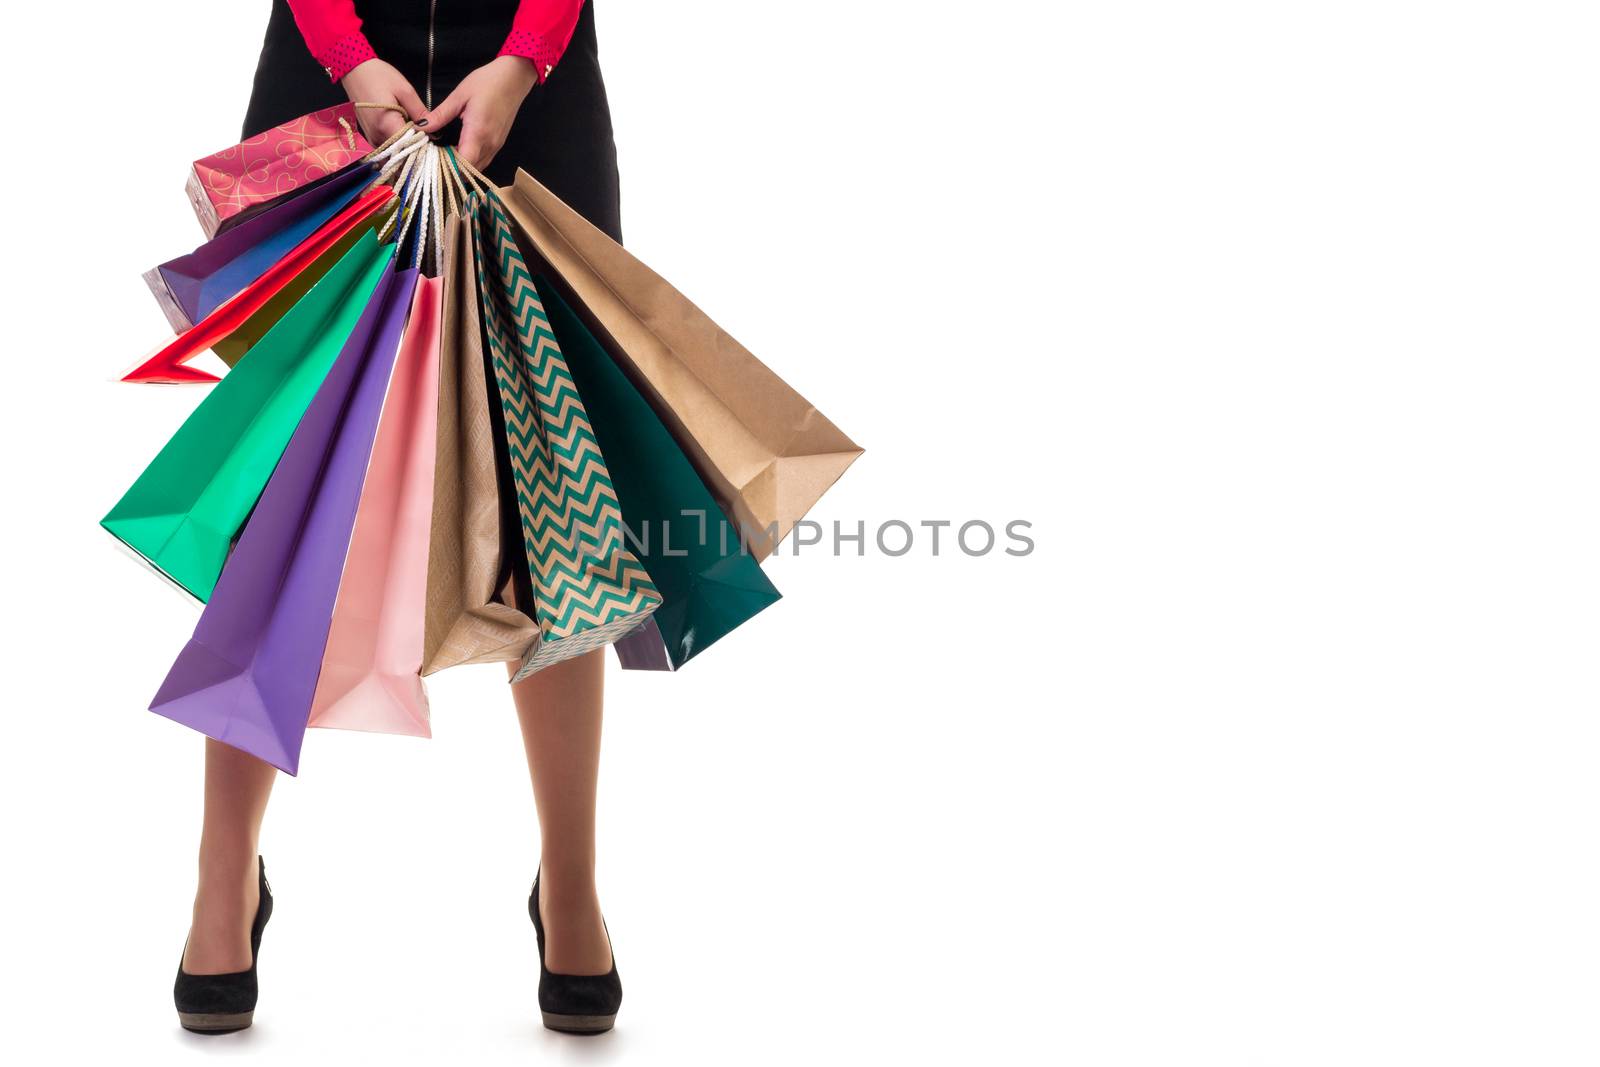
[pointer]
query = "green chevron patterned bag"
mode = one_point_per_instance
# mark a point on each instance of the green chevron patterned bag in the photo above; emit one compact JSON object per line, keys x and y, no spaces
{"x":588,"y":589}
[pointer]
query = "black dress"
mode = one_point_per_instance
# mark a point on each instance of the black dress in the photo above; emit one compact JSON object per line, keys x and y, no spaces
{"x":562,"y":135}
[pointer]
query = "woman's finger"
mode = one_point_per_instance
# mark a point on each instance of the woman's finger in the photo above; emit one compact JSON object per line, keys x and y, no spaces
{"x":488,"y":148}
{"x":447,"y":111}
{"x":407,"y":98}
{"x":471,"y":147}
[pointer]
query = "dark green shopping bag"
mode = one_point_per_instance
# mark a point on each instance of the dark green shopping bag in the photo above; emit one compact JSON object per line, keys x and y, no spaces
{"x":708,"y":585}
{"x":184,"y":511}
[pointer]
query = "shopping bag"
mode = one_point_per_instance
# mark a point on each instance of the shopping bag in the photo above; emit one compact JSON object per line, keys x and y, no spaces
{"x":766,"y":453}
{"x":709,"y":584}
{"x":643,"y":649}
{"x":472,"y":615}
{"x":247,"y":676}
{"x":168,"y":363}
{"x":242,"y":338}
{"x":369,"y":678}
{"x":228,"y":187}
{"x":183,"y":512}
{"x":232,"y":348}
{"x":192,"y":286}
{"x":588,"y":589}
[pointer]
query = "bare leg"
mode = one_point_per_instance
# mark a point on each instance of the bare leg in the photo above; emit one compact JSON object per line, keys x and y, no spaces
{"x":237,"y":787}
{"x":560,"y":710}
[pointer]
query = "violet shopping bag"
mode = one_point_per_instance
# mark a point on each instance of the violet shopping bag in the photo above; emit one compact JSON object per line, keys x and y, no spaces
{"x":248,"y":675}
{"x":183,"y":513}
{"x":369,"y":678}
{"x":588,"y":588}
{"x":471,"y":606}
{"x":643,"y":649}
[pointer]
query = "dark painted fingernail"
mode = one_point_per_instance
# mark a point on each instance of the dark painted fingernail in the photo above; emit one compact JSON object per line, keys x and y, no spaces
{"x":422,"y":122}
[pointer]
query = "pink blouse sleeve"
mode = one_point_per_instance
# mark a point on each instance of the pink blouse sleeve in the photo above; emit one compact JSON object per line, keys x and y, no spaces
{"x":332,"y":30}
{"x":540,"y":32}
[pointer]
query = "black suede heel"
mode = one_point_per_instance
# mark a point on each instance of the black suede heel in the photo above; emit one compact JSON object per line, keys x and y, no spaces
{"x":575,"y":1003}
{"x":223,"y":1003}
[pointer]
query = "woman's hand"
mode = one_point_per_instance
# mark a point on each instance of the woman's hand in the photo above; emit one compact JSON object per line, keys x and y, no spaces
{"x":487,"y":100}
{"x":376,"y":82}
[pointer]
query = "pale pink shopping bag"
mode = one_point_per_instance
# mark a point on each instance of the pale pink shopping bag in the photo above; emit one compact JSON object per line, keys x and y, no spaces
{"x":369,"y":678}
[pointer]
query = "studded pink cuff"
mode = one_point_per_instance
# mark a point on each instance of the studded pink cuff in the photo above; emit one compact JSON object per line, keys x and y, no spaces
{"x":533,"y":46}
{"x":345,"y":55}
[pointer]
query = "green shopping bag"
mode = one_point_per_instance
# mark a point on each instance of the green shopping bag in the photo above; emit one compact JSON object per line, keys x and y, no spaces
{"x":588,"y":590}
{"x":184,"y":511}
{"x":709,"y":585}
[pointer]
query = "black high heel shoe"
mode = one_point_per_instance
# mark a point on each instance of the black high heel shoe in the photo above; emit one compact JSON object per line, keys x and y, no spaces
{"x":223,"y":1003}
{"x":575,"y":1003}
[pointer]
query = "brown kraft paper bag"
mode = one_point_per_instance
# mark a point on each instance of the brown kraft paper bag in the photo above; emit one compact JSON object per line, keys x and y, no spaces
{"x":470,"y":589}
{"x":766,"y":453}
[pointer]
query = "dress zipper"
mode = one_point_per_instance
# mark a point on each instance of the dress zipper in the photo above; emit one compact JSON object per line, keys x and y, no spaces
{"x":427,"y":89}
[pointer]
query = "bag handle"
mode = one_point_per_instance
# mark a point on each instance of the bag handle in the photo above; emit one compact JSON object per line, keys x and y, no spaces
{"x":476,"y":177}
{"x":361,"y":105}
{"x":453,"y":172}
{"x":397,"y":174}
{"x":450,"y":186}
{"x":433,"y":184}
{"x":441,"y":204}
{"x":423,"y":190}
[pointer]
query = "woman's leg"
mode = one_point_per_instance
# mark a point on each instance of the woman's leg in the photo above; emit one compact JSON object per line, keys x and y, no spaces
{"x":237,"y":787}
{"x":560,"y":711}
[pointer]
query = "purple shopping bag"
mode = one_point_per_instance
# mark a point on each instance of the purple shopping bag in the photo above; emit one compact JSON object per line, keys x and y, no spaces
{"x":248,"y":675}
{"x":643,"y":649}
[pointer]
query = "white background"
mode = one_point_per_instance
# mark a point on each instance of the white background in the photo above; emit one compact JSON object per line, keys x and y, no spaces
{"x":1276,"y":320}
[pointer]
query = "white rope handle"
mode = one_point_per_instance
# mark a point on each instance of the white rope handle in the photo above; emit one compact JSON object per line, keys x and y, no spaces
{"x":400,"y":183}
{"x":408,"y":202}
{"x":433,"y":184}
{"x":424,"y":197}
{"x":399,"y":154}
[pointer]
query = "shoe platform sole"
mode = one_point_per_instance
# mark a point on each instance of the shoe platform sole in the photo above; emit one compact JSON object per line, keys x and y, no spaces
{"x":205,"y":1022}
{"x":578,"y":1024}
